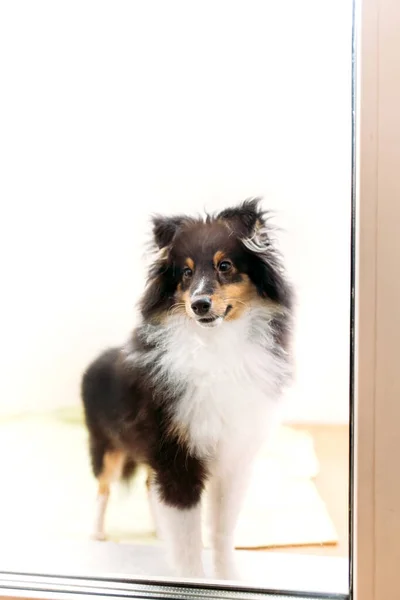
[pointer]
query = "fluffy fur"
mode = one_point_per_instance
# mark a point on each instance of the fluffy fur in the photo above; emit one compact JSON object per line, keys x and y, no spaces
{"x":197,"y":388}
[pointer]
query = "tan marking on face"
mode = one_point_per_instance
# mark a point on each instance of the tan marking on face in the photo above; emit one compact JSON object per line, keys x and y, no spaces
{"x":218,"y":257}
{"x":244,"y":294}
{"x":184,"y":300}
{"x":239,"y":295}
{"x":219,"y":303}
{"x":189,"y":262}
{"x":113,"y":463}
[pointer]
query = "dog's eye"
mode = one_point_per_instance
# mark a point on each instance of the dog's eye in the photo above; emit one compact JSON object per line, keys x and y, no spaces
{"x":187,"y":273}
{"x":225,"y":266}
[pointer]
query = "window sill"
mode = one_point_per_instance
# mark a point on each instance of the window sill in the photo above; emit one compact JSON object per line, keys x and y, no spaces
{"x":265,"y":570}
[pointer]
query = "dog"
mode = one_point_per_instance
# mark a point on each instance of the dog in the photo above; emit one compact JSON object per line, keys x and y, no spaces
{"x":198,"y":387}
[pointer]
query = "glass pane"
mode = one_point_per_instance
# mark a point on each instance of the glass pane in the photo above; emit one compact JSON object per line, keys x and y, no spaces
{"x":207,"y":150}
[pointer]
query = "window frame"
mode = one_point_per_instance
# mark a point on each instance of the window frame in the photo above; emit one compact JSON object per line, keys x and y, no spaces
{"x":376,"y":500}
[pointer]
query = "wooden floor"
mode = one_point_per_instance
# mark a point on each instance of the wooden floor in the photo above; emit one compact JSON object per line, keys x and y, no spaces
{"x":332,"y":448}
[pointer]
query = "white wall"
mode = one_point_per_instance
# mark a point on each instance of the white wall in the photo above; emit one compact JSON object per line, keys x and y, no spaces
{"x":111,"y":110}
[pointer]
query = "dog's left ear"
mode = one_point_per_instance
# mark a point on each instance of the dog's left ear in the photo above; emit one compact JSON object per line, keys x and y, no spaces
{"x":165,"y":228}
{"x":265,"y":268}
{"x":245,"y":218}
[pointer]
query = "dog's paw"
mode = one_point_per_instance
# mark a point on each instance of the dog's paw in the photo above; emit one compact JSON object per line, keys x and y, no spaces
{"x":227,"y":570}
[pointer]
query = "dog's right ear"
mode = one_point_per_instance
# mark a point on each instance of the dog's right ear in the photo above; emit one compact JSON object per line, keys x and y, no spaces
{"x":165,"y":228}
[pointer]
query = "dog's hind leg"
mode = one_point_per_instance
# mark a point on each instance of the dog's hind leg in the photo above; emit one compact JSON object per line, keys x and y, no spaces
{"x":111,"y":471}
{"x":152,"y":502}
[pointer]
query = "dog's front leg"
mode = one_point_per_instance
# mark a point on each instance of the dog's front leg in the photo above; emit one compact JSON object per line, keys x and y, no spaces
{"x":180,"y":530}
{"x":175,"y":492}
{"x":226,"y":493}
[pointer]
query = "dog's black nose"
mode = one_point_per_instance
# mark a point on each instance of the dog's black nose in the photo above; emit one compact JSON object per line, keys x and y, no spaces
{"x":201,"y":306}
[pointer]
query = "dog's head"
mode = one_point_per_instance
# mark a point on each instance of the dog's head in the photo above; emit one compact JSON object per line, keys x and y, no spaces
{"x":211,"y":270}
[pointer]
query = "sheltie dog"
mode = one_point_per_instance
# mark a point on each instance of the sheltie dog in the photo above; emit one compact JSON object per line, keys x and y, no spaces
{"x":198,"y":387}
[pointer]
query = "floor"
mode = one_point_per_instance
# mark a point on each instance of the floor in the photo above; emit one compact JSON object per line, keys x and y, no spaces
{"x":283,"y":507}
{"x":332,"y":448}
{"x":319,"y":569}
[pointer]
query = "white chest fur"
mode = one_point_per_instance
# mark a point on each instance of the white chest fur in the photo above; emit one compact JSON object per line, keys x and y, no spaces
{"x":231,"y":378}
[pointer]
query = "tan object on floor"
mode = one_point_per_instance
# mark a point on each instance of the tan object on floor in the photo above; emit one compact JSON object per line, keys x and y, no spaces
{"x":51,"y":491}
